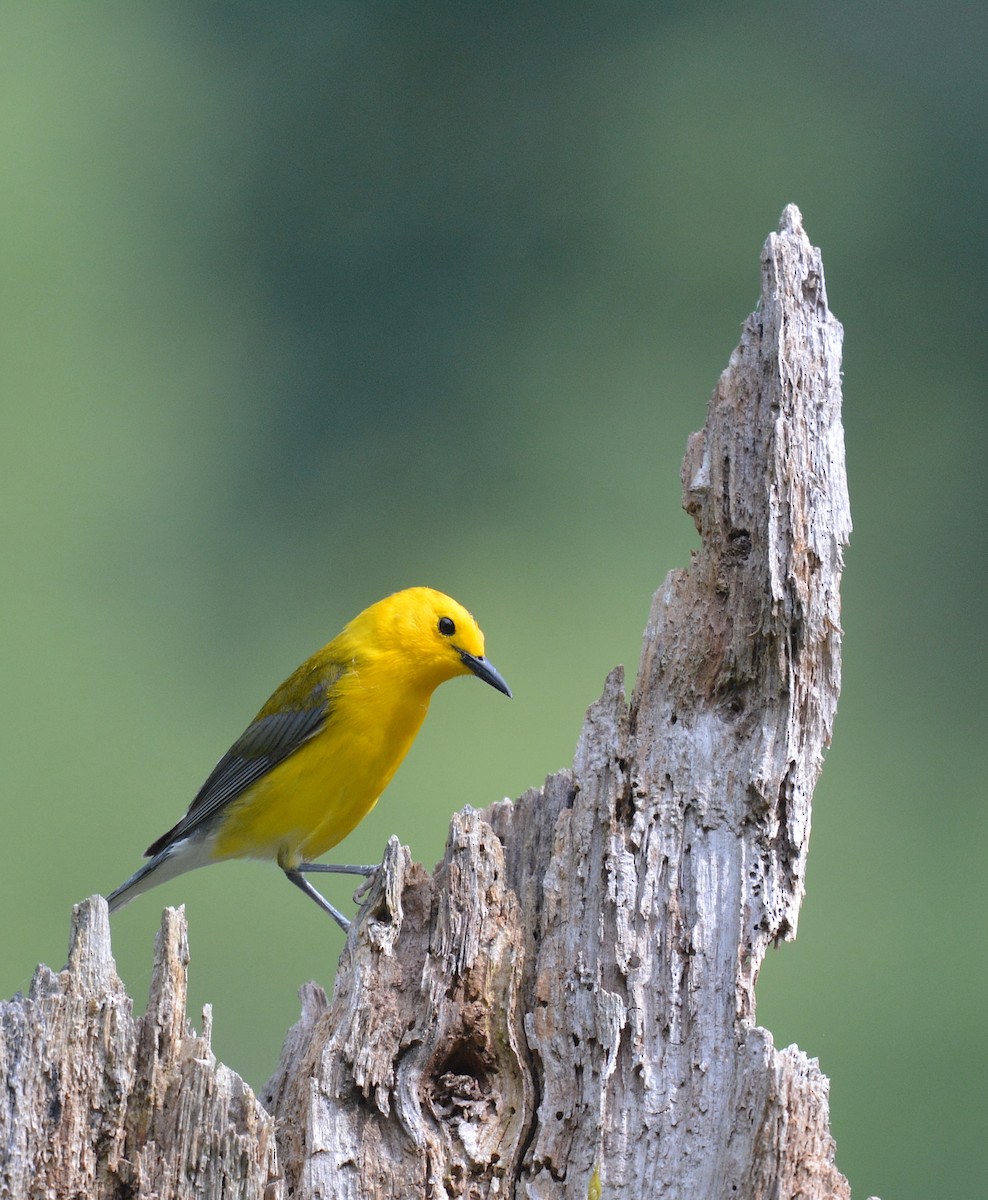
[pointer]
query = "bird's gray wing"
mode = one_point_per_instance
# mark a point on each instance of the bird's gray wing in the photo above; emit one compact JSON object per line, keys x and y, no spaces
{"x":267,"y":741}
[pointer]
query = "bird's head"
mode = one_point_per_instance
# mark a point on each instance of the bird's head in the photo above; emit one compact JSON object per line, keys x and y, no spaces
{"x":429,"y":638}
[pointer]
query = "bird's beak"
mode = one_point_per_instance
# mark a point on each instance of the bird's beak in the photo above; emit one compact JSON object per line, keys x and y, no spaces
{"x":485,"y":671}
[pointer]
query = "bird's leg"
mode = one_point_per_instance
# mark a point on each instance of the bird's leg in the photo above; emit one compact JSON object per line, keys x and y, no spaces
{"x":301,"y":882}
{"x":338,"y":868}
{"x":368,"y":872}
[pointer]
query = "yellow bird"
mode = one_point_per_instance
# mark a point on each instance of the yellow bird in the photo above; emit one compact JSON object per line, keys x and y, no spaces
{"x":316,"y":758}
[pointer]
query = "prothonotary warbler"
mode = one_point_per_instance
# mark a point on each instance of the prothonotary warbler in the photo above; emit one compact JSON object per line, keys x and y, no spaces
{"x":315,"y":759}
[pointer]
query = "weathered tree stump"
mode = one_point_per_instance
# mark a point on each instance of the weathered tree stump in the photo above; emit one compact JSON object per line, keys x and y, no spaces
{"x":565,"y":1008}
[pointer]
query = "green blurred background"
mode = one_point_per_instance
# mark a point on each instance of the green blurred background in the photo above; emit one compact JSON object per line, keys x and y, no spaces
{"x":303,"y":303}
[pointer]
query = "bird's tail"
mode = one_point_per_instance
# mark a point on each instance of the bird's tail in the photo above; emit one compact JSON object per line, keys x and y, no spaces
{"x":176,"y":859}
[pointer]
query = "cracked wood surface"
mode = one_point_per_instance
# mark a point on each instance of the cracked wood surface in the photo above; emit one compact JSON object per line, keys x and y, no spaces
{"x":99,"y":1104}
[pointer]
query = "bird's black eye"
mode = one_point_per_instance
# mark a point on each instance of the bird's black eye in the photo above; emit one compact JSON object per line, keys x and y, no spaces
{"x":446,"y":626}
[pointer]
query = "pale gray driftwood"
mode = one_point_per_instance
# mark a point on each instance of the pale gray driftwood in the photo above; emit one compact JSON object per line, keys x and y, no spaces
{"x":98,"y":1105}
{"x":566,"y":1007}
{"x":569,"y":1005}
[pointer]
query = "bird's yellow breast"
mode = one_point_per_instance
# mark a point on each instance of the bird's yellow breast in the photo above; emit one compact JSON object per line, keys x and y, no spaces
{"x":309,"y":802}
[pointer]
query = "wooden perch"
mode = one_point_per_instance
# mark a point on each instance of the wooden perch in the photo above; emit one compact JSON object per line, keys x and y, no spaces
{"x":566,"y":1007}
